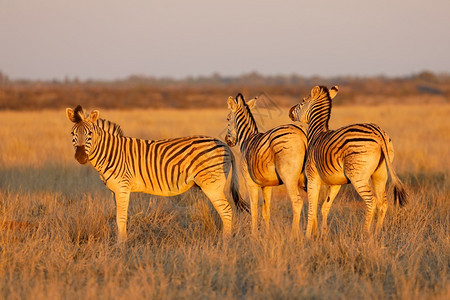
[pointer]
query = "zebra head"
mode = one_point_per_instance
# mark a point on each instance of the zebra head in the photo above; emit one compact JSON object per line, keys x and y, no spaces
{"x":302,"y":111}
{"x":82,"y":132}
{"x":239,"y":110}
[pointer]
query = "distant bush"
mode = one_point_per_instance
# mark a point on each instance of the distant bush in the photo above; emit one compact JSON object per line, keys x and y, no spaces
{"x":211,"y":92}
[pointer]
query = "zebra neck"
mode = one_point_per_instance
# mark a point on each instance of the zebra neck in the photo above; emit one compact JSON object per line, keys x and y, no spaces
{"x":246,"y":128}
{"x":319,"y":117}
{"x":100,"y":155}
{"x":245,"y":135}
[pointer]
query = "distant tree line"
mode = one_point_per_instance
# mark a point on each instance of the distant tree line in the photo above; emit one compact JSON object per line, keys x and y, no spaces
{"x":139,"y":91}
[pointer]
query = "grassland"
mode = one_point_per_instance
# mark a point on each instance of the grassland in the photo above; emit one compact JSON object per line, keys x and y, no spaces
{"x":58,"y":232}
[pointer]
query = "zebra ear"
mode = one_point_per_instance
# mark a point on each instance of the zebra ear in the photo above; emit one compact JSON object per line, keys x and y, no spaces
{"x":315,"y":92}
{"x":93,"y":116}
{"x":76,"y":115}
{"x":251,"y":103}
{"x":333,"y":91}
{"x":231,"y":103}
{"x":70,"y":114}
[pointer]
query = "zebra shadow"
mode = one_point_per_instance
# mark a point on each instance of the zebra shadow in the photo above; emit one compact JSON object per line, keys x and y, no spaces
{"x":51,"y":179}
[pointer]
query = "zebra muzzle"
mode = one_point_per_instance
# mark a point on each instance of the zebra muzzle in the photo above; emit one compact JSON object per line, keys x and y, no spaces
{"x":230,"y":141}
{"x":80,"y":155}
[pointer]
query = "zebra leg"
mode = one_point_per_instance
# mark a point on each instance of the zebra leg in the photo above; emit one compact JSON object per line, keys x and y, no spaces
{"x":297,"y":205}
{"x":379,"y":180}
{"x":253,"y":194}
{"x":252,"y":189}
{"x":382,"y":206}
{"x":219,"y":201}
{"x":333,"y":190}
{"x":289,"y":164}
{"x":122,"y":198}
{"x":313,"y":197}
{"x":267,"y":193}
{"x":364,"y":189}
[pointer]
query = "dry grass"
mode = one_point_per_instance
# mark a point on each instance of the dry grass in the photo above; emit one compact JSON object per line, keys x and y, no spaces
{"x":58,"y":232}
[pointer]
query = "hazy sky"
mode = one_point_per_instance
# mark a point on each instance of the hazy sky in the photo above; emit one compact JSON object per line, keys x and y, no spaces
{"x":108,"y":39}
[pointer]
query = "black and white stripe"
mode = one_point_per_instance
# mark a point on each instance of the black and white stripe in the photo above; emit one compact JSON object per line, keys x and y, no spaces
{"x":269,"y":159}
{"x":356,"y":154}
{"x":159,"y":167}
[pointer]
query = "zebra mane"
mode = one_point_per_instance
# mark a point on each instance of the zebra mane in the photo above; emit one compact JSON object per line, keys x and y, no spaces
{"x":246,"y":108}
{"x":78,"y":114}
{"x":321,"y":107}
{"x":250,"y":114}
{"x":110,"y":127}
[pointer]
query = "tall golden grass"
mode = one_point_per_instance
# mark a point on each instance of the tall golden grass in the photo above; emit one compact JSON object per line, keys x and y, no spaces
{"x":58,"y":231}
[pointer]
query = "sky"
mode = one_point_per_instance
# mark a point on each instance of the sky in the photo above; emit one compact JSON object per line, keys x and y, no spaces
{"x":112,"y":39}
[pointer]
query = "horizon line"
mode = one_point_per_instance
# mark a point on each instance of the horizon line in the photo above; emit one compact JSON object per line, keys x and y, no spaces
{"x":4,"y":77}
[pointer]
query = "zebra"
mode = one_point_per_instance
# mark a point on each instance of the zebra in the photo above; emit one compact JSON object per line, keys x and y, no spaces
{"x":160,"y":167}
{"x":268,"y":159}
{"x":351,"y":154}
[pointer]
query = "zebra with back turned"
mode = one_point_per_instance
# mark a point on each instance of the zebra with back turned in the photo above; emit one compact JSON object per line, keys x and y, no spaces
{"x":269,"y":159}
{"x":159,"y":167}
{"x":352,"y":154}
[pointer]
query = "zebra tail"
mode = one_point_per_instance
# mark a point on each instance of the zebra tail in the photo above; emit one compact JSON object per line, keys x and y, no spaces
{"x":400,"y":193}
{"x":234,"y":186}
